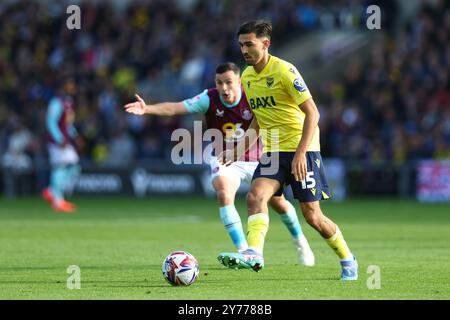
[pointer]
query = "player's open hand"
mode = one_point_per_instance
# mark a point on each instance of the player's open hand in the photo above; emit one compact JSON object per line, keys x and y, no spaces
{"x":137,"y":107}
{"x":299,"y":166}
{"x":227,"y":157}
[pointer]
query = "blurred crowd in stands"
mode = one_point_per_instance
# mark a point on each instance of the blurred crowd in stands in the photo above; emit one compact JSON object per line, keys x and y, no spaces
{"x":391,"y":109}
{"x":395,"y":107}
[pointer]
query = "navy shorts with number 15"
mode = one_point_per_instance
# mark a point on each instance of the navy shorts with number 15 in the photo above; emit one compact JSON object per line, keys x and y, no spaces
{"x":278,"y":166}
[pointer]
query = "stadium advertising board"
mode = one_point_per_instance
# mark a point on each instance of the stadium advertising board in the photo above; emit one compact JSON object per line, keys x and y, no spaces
{"x":139,"y":181}
{"x":152,"y":180}
{"x":433,"y":181}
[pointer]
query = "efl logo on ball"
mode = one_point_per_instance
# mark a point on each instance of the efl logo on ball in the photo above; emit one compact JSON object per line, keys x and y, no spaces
{"x":180,"y":268}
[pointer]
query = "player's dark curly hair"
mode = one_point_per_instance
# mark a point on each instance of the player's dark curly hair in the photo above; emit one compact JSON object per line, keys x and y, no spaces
{"x":261,"y":28}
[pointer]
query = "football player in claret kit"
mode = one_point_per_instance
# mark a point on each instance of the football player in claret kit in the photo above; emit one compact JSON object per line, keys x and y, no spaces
{"x":226,"y":109}
{"x":288,"y":121}
{"x":63,"y":156}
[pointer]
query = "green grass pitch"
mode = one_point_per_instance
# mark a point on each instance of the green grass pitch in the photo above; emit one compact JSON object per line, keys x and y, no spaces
{"x":119,"y":244}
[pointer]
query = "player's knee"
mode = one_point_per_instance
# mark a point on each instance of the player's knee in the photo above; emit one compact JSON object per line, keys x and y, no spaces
{"x":255,"y":199}
{"x":313,"y":215}
{"x":313,"y":220}
{"x":224,"y":197}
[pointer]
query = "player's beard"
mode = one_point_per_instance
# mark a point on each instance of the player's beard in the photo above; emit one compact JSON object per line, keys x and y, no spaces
{"x":250,"y":61}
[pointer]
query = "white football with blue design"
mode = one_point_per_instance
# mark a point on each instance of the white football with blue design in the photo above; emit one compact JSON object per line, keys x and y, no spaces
{"x":180,"y":268}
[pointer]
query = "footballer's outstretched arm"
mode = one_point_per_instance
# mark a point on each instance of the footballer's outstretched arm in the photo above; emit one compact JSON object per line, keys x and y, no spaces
{"x":167,"y":109}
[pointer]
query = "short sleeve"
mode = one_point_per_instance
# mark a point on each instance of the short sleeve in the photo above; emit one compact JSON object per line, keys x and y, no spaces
{"x":54,"y":113}
{"x":295,"y":85}
{"x":198,"y":104}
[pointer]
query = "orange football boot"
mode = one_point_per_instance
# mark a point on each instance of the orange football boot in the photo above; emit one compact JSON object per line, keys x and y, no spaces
{"x":64,"y":206}
{"x":47,"y":195}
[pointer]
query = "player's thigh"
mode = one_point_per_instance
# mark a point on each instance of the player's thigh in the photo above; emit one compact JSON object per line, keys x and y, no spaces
{"x":310,"y":208}
{"x":219,"y":170}
{"x":312,"y":212}
{"x":62,"y":156}
{"x":225,"y":184}
{"x":262,"y":189}
{"x":273,"y":166}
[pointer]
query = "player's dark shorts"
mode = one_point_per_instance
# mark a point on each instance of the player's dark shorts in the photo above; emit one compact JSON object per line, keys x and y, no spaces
{"x":313,"y":188}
